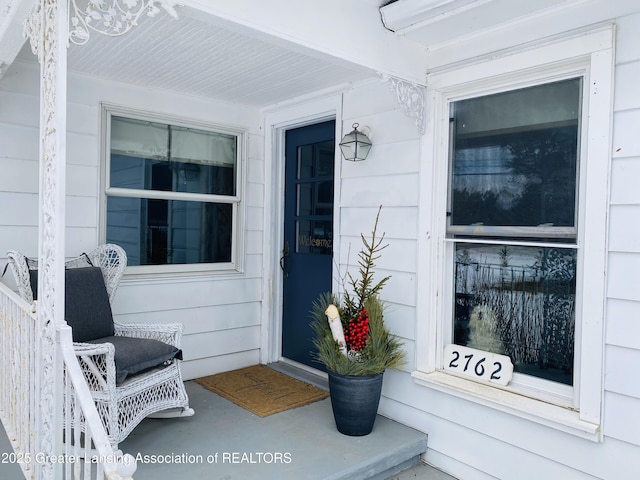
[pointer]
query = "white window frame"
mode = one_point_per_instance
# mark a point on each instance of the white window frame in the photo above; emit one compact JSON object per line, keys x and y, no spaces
{"x":236,"y":202}
{"x":577,"y":409}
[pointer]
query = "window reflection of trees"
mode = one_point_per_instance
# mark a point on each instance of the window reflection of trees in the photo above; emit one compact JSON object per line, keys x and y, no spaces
{"x":526,"y":178}
{"x":531,"y":301}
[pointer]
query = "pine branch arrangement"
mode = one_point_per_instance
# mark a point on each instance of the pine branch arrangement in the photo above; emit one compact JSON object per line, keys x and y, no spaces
{"x":363,"y":287}
{"x":371,"y":347}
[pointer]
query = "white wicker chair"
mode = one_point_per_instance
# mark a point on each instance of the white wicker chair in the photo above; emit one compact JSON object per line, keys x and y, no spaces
{"x":122,"y":407}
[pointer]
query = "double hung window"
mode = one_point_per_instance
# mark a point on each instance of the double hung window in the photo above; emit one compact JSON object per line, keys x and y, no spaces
{"x":172,"y":193}
{"x":515,"y":222}
{"x":512,"y":217}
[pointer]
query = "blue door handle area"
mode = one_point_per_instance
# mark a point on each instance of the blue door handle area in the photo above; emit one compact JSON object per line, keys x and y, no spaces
{"x":283,"y":263}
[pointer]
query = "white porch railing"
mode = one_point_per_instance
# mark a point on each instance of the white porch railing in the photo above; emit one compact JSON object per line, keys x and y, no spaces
{"x":74,"y":454}
{"x":17,"y":366}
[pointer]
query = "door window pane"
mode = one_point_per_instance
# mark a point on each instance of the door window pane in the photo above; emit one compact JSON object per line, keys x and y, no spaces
{"x":314,"y":197}
{"x":315,"y":237}
{"x":315,"y":160}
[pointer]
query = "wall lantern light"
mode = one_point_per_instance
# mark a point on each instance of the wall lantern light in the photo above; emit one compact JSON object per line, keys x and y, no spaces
{"x":355,"y":145}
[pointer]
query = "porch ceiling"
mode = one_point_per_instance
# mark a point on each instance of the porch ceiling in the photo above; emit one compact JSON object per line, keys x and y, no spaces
{"x":199,"y":54}
{"x":260,"y":54}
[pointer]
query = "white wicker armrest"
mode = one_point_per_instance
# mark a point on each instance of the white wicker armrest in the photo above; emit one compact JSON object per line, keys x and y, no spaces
{"x":170,"y":333}
{"x":20,"y":267}
{"x":97,"y":363}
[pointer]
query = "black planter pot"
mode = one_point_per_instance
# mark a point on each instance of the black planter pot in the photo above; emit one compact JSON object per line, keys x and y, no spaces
{"x":355,"y":400}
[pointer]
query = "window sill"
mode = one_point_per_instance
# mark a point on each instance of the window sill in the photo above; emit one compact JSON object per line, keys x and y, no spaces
{"x":162,"y":277}
{"x":181,"y":269}
{"x":553,"y":416}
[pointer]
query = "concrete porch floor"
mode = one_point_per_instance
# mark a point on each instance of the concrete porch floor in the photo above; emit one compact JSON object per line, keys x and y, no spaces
{"x":224,"y":441}
{"x":302,"y":443}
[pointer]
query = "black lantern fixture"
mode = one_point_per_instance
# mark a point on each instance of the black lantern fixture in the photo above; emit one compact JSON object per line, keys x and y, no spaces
{"x":355,"y":145}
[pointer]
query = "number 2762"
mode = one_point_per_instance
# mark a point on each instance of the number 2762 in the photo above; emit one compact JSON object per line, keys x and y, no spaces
{"x":478,"y":364}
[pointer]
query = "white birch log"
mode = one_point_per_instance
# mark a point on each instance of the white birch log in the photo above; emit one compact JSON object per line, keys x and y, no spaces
{"x":336,"y":328}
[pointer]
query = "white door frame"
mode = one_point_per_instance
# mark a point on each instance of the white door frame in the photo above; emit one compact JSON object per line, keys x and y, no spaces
{"x":277,"y":122}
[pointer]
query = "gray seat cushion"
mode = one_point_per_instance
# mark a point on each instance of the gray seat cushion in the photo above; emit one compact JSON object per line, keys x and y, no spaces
{"x":87,"y":307}
{"x":88,"y":313}
{"x":137,"y":355}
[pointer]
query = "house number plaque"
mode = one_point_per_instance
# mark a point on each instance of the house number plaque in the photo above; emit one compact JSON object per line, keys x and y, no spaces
{"x":477,"y":364}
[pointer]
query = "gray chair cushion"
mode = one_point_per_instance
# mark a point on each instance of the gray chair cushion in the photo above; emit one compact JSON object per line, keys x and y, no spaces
{"x":137,"y":355}
{"x":87,"y":307}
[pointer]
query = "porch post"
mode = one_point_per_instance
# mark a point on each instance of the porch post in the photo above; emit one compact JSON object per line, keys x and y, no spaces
{"x":47,"y":27}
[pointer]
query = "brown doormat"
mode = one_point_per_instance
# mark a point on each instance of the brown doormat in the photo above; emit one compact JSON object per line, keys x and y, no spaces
{"x":262,"y":390}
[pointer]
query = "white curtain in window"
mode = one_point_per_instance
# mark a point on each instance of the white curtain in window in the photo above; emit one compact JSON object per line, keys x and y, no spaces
{"x":140,"y":139}
{"x":197,"y":146}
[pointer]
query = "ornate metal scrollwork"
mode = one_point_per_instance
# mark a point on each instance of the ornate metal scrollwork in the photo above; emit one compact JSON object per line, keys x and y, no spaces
{"x":107,"y":17}
{"x":42,"y":27}
{"x":111,"y":17}
{"x":411,"y":97}
{"x":33,"y":25}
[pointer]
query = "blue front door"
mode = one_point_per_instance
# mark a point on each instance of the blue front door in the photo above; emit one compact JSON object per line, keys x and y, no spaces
{"x":307,"y":253}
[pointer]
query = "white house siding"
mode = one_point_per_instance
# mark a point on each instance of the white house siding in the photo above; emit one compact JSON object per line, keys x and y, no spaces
{"x":467,"y":439}
{"x":387,"y":178}
{"x":220,"y":312}
{"x":622,"y":395}
{"x":19,"y":128}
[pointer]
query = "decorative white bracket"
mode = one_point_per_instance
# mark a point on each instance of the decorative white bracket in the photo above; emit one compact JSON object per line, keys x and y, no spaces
{"x":107,"y":17}
{"x":411,"y":97}
{"x":33,"y":29}
{"x":111,"y":17}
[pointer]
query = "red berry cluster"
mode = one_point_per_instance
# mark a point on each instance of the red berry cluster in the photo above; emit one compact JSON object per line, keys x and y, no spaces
{"x":357,"y":332}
